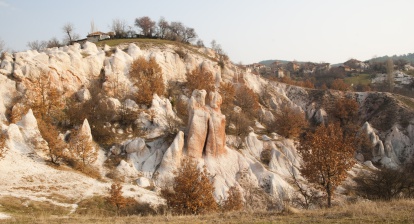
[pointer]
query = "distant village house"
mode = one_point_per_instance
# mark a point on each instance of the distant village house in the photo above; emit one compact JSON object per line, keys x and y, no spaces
{"x":98,"y":36}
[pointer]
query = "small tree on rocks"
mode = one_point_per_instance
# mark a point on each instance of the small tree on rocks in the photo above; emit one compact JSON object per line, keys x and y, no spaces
{"x":200,"y":78}
{"x":147,"y":76}
{"x":289,"y":122}
{"x":56,"y":145}
{"x":3,"y":147}
{"x":234,"y":201}
{"x":116,"y":199}
{"x":82,"y":151}
{"x":192,"y":191}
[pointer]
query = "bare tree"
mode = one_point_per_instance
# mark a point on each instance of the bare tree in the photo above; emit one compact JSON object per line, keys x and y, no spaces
{"x":2,"y":46}
{"x":390,"y":74}
{"x":37,"y":45}
{"x":177,"y":31}
{"x":163,"y":27}
{"x":54,"y":42}
{"x":119,"y":27}
{"x":189,"y":35}
{"x":146,"y":25}
{"x":68,"y":29}
{"x":200,"y":43}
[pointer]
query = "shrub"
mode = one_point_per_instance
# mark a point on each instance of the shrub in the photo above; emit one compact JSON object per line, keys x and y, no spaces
{"x":116,"y":199}
{"x":147,"y":77}
{"x":200,"y":78}
{"x":247,"y":100}
{"x":289,"y":123}
{"x":192,"y":191}
{"x":3,"y":147}
{"x":241,"y":124}
{"x":385,"y":184}
{"x":339,"y":84}
{"x":56,"y":146}
{"x":266,"y":156}
{"x":227,"y":92}
{"x":234,"y":201}
{"x":182,"y":110}
{"x":82,"y":151}
{"x":180,"y":52}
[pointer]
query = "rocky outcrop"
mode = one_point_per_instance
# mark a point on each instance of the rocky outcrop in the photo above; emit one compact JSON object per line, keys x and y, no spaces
{"x":206,"y":125}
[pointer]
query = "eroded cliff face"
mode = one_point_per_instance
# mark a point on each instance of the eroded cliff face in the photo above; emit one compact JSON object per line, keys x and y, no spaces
{"x":71,"y":69}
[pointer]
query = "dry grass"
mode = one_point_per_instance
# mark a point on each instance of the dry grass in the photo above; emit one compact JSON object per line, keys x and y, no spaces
{"x":401,"y":211}
{"x":149,"y":43}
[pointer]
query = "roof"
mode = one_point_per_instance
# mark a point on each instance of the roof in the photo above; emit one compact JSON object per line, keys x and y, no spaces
{"x":98,"y":33}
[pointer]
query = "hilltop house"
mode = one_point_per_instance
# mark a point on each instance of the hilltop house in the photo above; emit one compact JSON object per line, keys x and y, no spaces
{"x":97,"y":36}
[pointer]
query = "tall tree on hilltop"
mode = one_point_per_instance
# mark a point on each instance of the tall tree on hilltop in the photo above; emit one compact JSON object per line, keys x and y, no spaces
{"x":68,"y":29}
{"x":163,"y":26}
{"x":146,"y":24}
{"x":2,"y":46}
{"x":119,"y":27}
{"x":327,"y":155}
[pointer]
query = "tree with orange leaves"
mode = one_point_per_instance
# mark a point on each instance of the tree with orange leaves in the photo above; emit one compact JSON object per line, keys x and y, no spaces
{"x":192,"y":191}
{"x":327,"y":155}
{"x":147,"y":76}
{"x":200,"y":78}
{"x":116,"y":198}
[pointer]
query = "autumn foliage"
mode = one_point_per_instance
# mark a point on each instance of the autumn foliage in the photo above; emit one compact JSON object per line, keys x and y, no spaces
{"x":327,"y":155}
{"x":227,"y":92}
{"x":192,"y":191}
{"x":234,"y":201}
{"x":3,"y":147}
{"x":56,"y":145}
{"x":289,"y":123}
{"x":115,"y":197}
{"x":247,"y":100}
{"x":339,"y":84}
{"x":200,"y":78}
{"x":82,"y":151}
{"x":147,"y":77}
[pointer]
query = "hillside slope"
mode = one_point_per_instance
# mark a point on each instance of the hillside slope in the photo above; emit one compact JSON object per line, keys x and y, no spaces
{"x":150,"y":159}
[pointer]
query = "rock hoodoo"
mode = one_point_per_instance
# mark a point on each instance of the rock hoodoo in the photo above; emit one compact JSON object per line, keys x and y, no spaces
{"x":206,"y":125}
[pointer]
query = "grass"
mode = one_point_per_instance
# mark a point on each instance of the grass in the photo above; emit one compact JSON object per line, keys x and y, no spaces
{"x":407,"y":101}
{"x":148,"y":43}
{"x":399,"y":211}
{"x":363,"y":79}
{"x":116,"y":42}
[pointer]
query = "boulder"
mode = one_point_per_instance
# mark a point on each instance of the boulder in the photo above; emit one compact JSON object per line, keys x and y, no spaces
{"x":172,"y":157}
{"x":83,"y":95}
{"x":143,"y":182}
{"x":135,"y":145}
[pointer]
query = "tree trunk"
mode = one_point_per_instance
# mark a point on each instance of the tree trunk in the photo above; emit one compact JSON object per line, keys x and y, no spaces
{"x":328,"y":191}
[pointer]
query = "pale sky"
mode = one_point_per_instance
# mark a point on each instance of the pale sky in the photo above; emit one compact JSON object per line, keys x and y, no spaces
{"x":248,"y":31}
